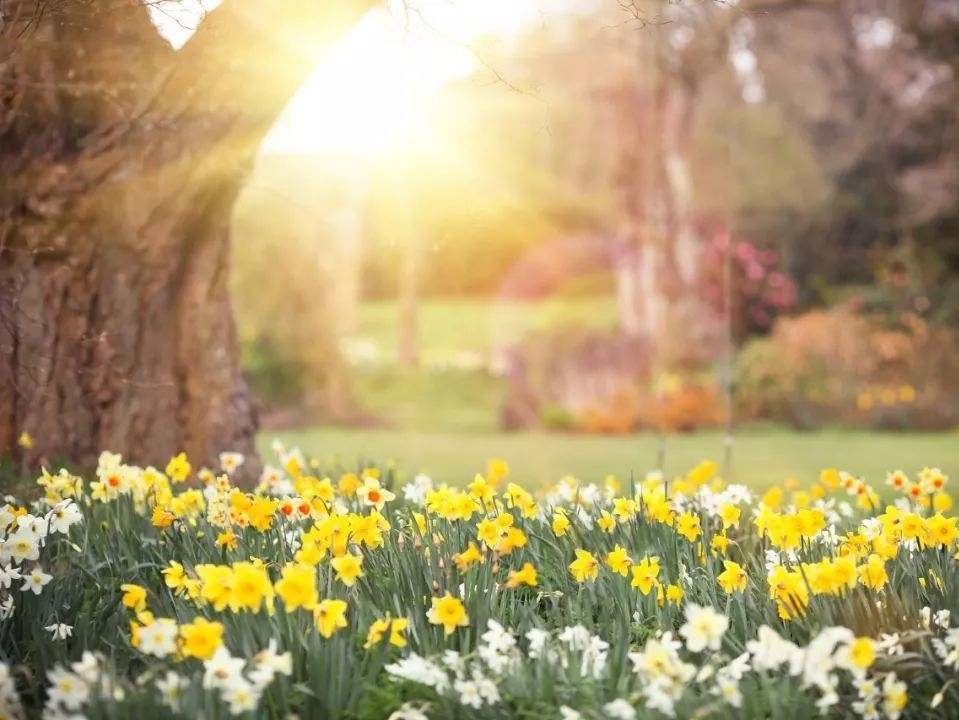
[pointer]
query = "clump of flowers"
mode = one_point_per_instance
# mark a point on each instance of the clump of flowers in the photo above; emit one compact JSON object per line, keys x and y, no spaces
{"x":662,"y":595}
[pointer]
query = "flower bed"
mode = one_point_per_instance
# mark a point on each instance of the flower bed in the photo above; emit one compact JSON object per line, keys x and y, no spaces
{"x":326,"y":593}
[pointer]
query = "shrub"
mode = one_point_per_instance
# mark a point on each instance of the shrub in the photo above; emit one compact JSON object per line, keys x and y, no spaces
{"x":556,"y":417}
{"x":573,"y":376}
{"x":694,"y":405}
{"x":843,"y":365}
{"x":759,"y":291}
{"x":616,"y":414}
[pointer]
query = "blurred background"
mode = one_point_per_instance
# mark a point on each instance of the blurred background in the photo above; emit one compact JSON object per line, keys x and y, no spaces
{"x":595,"y":236}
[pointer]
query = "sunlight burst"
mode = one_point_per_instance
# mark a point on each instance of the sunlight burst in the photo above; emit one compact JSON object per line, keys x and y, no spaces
{"x":371,"y":94}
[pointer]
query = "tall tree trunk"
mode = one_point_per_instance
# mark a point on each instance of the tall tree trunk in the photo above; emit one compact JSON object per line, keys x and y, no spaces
{"x":121,"y":161}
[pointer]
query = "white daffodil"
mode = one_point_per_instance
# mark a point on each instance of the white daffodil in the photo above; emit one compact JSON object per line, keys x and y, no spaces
{"x":373,"y":494}
{"x":36,"y":580}
{"x":619,"y":710}
{"x":171,"y":686}
{"x":230,"y":462}
{"x":769,"y":650}
{"x":894,"y":696}
{"x":63,"y":516}
{"x":159,"y":638}
{"x":222,"y":669}
{"x":704,"y":628}
{"x":8,"y":574}
{"x":469,"y":693}
{"x":241,"y":696}
{"x":21,"y":547}
{"x":67,"y":689}
{"x":419,"y":670}
{"x":59,"y":631}
{"x":727,"y":688}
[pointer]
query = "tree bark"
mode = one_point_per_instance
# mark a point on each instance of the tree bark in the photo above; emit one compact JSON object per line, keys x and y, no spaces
{"x":121,"y":161}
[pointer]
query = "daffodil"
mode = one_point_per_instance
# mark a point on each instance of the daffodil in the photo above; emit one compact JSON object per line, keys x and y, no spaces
{"x":704,"y":628}
{"x":348,"y":568}
{"x":297,"y":587}
{"x":687,"y":525}
{"x":372,"y":493}
{"x":394,"y":626}
{"x":733,"y":578}
{"x":524,"y":576}
{"x":646,"y":574}
{"x":201,"y":638}
{"x":329,"y":616}
{"x":584,"y":567}
{"x":619,"y":561}
{"x":134,"y":597}
{"x":449,"y":612}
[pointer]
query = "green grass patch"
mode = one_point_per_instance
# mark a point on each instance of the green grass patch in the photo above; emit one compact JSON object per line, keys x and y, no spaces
{"x":468,"y":401}
{"x":759,"y":458}
{"x":450,"y":327}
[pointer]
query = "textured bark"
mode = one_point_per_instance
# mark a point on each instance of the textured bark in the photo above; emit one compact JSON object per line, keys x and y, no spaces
{"x":121,"y":161}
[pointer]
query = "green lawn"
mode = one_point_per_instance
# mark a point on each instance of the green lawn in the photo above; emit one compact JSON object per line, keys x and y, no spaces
{"x":449,"y":327}
{"x":445,"y":392}
{"x":445,"y":421}
{"x":760,"y":457}
{"x":430,"y":400}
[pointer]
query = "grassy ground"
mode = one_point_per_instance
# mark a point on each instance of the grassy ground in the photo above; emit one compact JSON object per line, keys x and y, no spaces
{"x":759,"y":457}
{"x":451,"y":327}
{"x":444,"y":421}
{"x":445,"y":393}
{"x":459,"y":400}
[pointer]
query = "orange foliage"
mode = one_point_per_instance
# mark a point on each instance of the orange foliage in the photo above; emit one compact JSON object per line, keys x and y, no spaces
{"x":690,"y":408}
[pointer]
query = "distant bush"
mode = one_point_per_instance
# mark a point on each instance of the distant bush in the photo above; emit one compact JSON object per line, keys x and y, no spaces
{"x":617,"y":414}
{"x":847,"y":366}
{"x":695,"y":404}
{"x":556,"y":417}
{"x":575,"y":377}
{"x":759,"y":291}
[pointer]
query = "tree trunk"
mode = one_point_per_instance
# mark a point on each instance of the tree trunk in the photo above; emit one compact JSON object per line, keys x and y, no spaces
{"x":121,"y":161}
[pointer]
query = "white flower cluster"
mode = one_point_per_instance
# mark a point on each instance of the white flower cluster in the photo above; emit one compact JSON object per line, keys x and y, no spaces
{"x":239,"y":682}
{"x":116,"y":479}
{"x":414,"y":668}
{"x":940,"y":618}
{"x":70,"y":689}
{"x":664,"y":674}
{"x":416,"y":491}
{"x":712,"y":502}
{"x":817,"y":665}
{"x":665,"y":670}
{"x":574,"y":646}
{"x":273,"y":482}
{"x":22,"y":537}
{"x":569,"y":492}
{"x":498,"y":650}
{"x":947,"y":649}
{"x":9,"y":700}
{"x":472,"y":681}
{"x":590,"y":650}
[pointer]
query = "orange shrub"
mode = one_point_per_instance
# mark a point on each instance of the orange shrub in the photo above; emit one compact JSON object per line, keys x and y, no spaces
{"x":692,"y":407}
{"x":840,"y":365}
